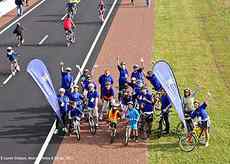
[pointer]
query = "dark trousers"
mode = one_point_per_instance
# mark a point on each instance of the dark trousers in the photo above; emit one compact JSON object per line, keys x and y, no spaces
{"x":165,"y":118}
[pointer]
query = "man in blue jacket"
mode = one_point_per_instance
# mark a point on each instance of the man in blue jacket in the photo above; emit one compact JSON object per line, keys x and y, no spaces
{"x":154,"y":81}
{"x":66,"y":78}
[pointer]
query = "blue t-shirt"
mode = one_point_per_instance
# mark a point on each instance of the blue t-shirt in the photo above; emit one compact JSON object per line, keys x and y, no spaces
{"x":147,"y":102}
{"x":123,"y":75}
{"x":92,"y":96}
{"x":155,"y":82}
{"x":139,"y":75}
{"x":201,"y":112}
{"x":67,"y":80}
{"x":107,"y":93}
{"x":63,"y":102}
{"x":77,"y":97}
{"x":103,"y":79}
{"x":165,"y":102}
{"x":74,"y":112}
{"x":133,"y":115}
{"x":11,"y":56}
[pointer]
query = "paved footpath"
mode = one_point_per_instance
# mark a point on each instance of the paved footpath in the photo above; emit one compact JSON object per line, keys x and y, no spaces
{"x":130,"y":37}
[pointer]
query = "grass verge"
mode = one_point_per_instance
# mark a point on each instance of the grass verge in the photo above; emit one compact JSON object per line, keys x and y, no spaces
{"x":194,"y":37}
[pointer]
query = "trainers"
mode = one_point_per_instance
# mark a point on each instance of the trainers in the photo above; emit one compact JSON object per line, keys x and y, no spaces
{"x":96,"y":124}
{"x":206,"y":144}
{"x":56,"y":131}
{"x":100,"y":118}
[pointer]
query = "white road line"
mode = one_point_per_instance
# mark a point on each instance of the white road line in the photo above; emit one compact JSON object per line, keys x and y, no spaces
{"x":43,"y":39}
{"x":7,"y":79}
{"x":29,"y":11}
{"x":46,"y":143}
{"x":48,"y":138}
{"x":63,"y":17}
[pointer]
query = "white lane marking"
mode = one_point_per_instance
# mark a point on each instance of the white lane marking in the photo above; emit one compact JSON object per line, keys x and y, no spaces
{"x":63,"y":17}
{"x":43,"y":39}
{"x":48,"y":138}
{"x":7,"y":79}
{"x":46,"y":143}
{"x":29,"y":11}
{"x":96,"y":40}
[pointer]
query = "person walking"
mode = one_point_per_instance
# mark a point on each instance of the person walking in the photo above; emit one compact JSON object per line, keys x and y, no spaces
{"x":19,"y":4}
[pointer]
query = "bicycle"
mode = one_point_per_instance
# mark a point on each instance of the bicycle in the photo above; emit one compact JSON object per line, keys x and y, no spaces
{"x":73,"y":127}
{"x":127,"y":135}
{"x":70,"y":38}
{"x":113,"y":132}
{"x":91,"y":121}
{"x":146,"y":124}
{"x":14,"y":67}
{"x":188,"y":142}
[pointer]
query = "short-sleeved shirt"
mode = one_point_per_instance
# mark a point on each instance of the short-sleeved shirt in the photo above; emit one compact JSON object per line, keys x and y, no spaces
{"x":103,"y":79}
{"x":92,"y":96}
{"x":201,"y":112}
{"x":77,"y":97}
{"x":67,"y":80}
{"x":139,"y":75}
{"x":123,"y":75}
{"x":107,"y":93}
{"x":133,"y":115}
{"x":63,"y":102}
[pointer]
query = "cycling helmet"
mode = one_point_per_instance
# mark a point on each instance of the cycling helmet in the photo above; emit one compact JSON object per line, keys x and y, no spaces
{"x":123,"y":63}
{"x":135,"y":66}
{"x":18,"y":24}
{"x":9,"y":49}
{"x":68,"y":69}
{"x":130,"y":102}
{"x":133,"y":79}
{"x":91,"y":85}
{"x":75,"y":86}
{"x":62,"y":90}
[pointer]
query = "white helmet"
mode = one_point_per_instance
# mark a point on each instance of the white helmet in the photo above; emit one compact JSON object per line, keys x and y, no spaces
{"x":91,"y":85}
{"x":9,"y":49}
{"x":62,"y":90}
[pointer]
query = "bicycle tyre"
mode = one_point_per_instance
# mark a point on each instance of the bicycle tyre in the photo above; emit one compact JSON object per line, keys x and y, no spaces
{"x":126,"y":141}
{"x":187,"y":146}
{"x":77,"y":133}
{"x":92,"y":126}
{"x":113,"y":134}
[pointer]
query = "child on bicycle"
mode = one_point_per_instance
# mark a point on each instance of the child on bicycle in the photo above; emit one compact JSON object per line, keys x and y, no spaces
{"x":200,"y":111}
{"x":133,"y":117}
{"x":114,"y":116}
{"x":12,"y":56}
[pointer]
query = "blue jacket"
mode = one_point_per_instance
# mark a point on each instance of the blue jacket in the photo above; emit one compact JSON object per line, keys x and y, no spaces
{"x":123,"y":75}
{"x":67,"y":80}
{"x":77,"y":97}
{"x":133,"y":115}
{"x":103,"y":79}
{"x":155,"y":82}
{"x":165,"y":103}
{"x":147,"y":102}
{"x":11,"y":56}
{"x":201,"y":112}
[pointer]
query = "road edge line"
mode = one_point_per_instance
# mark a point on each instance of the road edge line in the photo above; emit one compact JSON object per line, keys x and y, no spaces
{"x":48,"y":138}
{"x":29,"y":11}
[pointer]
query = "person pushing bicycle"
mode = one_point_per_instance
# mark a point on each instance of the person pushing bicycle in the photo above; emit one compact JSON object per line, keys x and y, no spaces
{"x":18,"y":31}
{"x":12,"y":57}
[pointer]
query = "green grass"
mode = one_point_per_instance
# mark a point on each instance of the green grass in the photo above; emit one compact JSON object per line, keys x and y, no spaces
{"x":194,"y":37}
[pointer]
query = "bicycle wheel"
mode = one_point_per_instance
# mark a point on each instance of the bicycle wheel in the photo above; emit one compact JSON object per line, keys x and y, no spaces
{"x":187,"y":144}
{"x":92,"y":126}
{"x":113,"y":134}
{"x":77,"y":133}
{"x":126,"y":141}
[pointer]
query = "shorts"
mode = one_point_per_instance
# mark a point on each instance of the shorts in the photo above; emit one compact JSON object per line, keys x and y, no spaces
{"x":133,"y":125}
{"x":113,"y":124}
{"x":204,"y":124}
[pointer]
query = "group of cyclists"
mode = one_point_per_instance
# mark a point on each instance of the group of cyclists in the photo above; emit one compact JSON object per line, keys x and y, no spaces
{"x":134,"y":102}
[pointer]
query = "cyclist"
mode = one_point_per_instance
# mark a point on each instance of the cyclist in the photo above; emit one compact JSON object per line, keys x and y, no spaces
{"x":153,"y":80}
{"x":200,"y":111}
{"x":77,"y":97}
{"x":103,"y":79}
{"x":101,"y":9}
{"x":123,"y":77}
{"x":63,"y":101}
{"x":69,"y":26}
{"x":12,"y":57}
{"x":66,"y":78}
{"x":114,"y":116}
{"x":18,"y":31}
{"x":72,"y":5}
{"x":133,"y":117}
{"x":74,"y":113}
{"x":107,"y":98}
{"x":165,"y":109}
{"x":92,"y":97}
